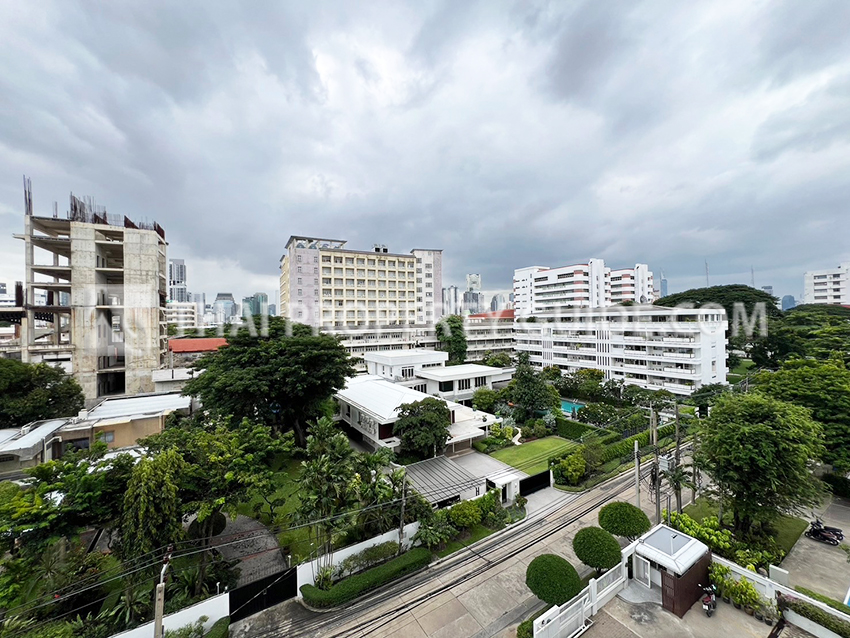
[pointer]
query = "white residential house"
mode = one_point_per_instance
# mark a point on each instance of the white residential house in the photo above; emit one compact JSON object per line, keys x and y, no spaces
{"x":369,"y":405}
{"x":427,"y":372}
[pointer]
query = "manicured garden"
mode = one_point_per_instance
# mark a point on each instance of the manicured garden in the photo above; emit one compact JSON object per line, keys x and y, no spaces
{"x":533,"y":457}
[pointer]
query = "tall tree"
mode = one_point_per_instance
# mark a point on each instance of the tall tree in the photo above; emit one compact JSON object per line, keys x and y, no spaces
{"x":225,"y":465}
{"x":328,"y":486}
{"x":423,"y":427}
{"x":280,"y":379}
{"x":758,"y":450}
{"x":36,"y":392}
{"x":152,"y":509}
{"x":824,"y":388}
{"x":530,"y":393}
{"x":452,"y":337}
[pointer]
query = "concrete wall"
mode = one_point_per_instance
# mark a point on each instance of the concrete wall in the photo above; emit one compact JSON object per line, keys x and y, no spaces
{"x":307,"y":571}
{"x":83,"y":314}
{"x":214,"y":609}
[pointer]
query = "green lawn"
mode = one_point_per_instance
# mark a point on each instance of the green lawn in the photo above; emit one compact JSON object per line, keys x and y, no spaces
{"x":739,"y":371}
{"x":533,"y":457}
{"x":788,"y":528}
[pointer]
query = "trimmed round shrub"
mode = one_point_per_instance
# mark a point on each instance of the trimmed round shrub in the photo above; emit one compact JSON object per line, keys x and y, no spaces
{"x":465,"y":514}
{"x":624,"y":519}
{"x":552,"y":579}
{"x":597,"y":548}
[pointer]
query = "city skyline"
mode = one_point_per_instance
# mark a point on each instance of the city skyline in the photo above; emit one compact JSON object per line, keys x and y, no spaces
{"x":673,"y":157}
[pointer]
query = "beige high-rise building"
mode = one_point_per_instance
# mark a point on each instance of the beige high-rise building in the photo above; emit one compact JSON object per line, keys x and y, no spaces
{"x":106,"y":290}
{"x":325,"y":284}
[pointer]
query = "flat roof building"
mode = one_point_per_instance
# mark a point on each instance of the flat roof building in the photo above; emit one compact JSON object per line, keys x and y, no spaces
{"x":830,"y":286}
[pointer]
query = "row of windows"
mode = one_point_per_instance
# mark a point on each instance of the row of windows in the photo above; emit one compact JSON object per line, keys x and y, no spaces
{"x":363,"y":261}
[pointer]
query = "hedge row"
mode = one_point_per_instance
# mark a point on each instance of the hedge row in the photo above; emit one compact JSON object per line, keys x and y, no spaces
{"x":357,"y":585}
{"x":571,"y":429}
{"x":840,"y":485}
{"x":220,"y":629}
{"x":826,"y":600}
{"x":626,"y":446}
{"x":819,"y":616}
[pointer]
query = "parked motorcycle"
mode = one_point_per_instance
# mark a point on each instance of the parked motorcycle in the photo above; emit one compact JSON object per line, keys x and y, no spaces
{"x":709,"y":601}
{"x":835,"y":531}
{"x":817,"y":533}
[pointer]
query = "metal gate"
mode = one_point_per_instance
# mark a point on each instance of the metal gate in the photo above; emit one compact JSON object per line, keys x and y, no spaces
{"x":534,"y":483}
{"x":263,"y":593}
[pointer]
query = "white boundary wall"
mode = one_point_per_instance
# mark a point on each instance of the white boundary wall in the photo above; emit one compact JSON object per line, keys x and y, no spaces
{"x":307,"y":571}
{"x":213,"y":608}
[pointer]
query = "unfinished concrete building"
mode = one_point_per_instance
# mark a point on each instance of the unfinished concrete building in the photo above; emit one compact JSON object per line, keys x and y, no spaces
{"x":104,"y":315}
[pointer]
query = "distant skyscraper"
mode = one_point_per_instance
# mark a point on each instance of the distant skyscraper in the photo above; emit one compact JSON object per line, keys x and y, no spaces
{"x":768,"y":290}
{"x":788,"y":302}
{"x":472,"y":302}
{"x":451,"y":301}
{"x":257,"y":304}
{"x":498,"y":302}
{"x":473,"y":282}
{"x":177,"y":281}
{"x":663,"y":285}
{"x":200,"y":301}
{"x":224,"y":307}
{"x":272,"y":310}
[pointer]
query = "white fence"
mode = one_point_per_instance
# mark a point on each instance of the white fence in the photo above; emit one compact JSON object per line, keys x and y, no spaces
{"x":307,"y":571}
{"x":570,"y":619}
{"x":213,"y":608}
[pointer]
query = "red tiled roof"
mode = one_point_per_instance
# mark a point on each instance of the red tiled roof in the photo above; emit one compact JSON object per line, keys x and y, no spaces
{"x":209,"y":344}
{"x":499,"y":314}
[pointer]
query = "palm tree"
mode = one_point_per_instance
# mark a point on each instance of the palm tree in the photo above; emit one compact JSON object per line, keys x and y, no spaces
{"x":679,"y":478}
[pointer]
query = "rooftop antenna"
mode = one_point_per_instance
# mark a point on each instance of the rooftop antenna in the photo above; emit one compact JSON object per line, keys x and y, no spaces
{"x":706,"y":273}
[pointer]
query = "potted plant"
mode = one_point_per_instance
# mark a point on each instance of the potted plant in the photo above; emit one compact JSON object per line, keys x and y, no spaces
{"x":726,"y":590}
{"x":758,"y":609}
{"x":749,"y":596}
{"x":735,"y":593}
{"x":769,"y":613}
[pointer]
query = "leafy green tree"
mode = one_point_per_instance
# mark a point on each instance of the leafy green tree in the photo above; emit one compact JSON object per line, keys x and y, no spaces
{"x":679,"y":478}
{"x":452,"y":337}
{"x":597,"y":548}
{"x":824,"y":388}
{"x":570,"y":470}
{"x":436,"y":530}
{"x":552,"y":579}
{"x":465,"y":514}
{"x":706,"y":395}
{"x":500,"y":360}
{"x":484,"y":399}
{"x":592,"y":451}
{"x":758,"y":450}
{"x":152,"y":509}
{"x":597,"y":413}
{"x":551,"y":373}
{"x":423,"y":427}
{"x":281,"y":380}
{"x":530,"y":393}
{"x":624,"y":519}
{"x":35,"y":392}
{"x":225,"y":464}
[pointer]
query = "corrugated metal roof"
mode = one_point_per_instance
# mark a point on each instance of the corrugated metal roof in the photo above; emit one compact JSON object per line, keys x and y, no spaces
{"x":441,"y":478}
{"x":147,"y":404}
{"x":206,"y":344}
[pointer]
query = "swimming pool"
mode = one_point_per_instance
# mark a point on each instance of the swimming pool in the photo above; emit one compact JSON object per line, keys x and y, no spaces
{"x":570,"y":407}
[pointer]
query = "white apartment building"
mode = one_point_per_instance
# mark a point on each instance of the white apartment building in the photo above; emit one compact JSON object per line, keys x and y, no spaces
{"x":323,"y":283}
{"x":427,"y":372}
{"x":491,"y":332}
{"x":831,"y":286}
{"x":650,"y":346}
{"x":540,"y":289}
{"x":183,"y":315}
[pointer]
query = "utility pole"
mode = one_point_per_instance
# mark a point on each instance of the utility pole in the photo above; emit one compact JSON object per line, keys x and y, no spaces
{"x":159,"y":600}
{"x":695,"y":472}
{"x":401,"y":520}
{"x":654,"y":425}
{"x":637,"y":475}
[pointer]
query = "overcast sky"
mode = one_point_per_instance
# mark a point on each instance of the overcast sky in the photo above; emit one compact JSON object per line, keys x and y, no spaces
{"x":507,"y":134}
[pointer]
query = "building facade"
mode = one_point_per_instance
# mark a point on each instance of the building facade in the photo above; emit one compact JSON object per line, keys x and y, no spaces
{"x":452,"y":301}
{"x":177,"y":290}
{"x":99,"y":284}
{"x":649,"y":346}
{"x":831,"y":286}
{"x":257,"y":304}
{"x":788,"y":302}
{"x":325,"y":284}
{"x":223,"y":308}
{"x":540,"y":289}
{"x":184,"y":316}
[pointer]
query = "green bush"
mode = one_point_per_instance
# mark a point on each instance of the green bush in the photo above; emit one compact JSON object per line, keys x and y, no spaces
{"x":571,"y":470}
{"x":465,"y":514}
{"x":597,"y":548}
{"x":367,"y":558}
{"x":626,"y":446}
{"x":624,"y":519}
{"x":357,"y":585}
{"x":480,"y":446}
{"x":552,"y":579}
{"x":819,"y":616}
{"x":493,"y":515}
{"x":527,"y":432}
{"x":525,"y":629}
{"x":192,"y":630}
{"x":220,"y":629}
{"x":540,"y":430}
{"x":826,"y":600}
